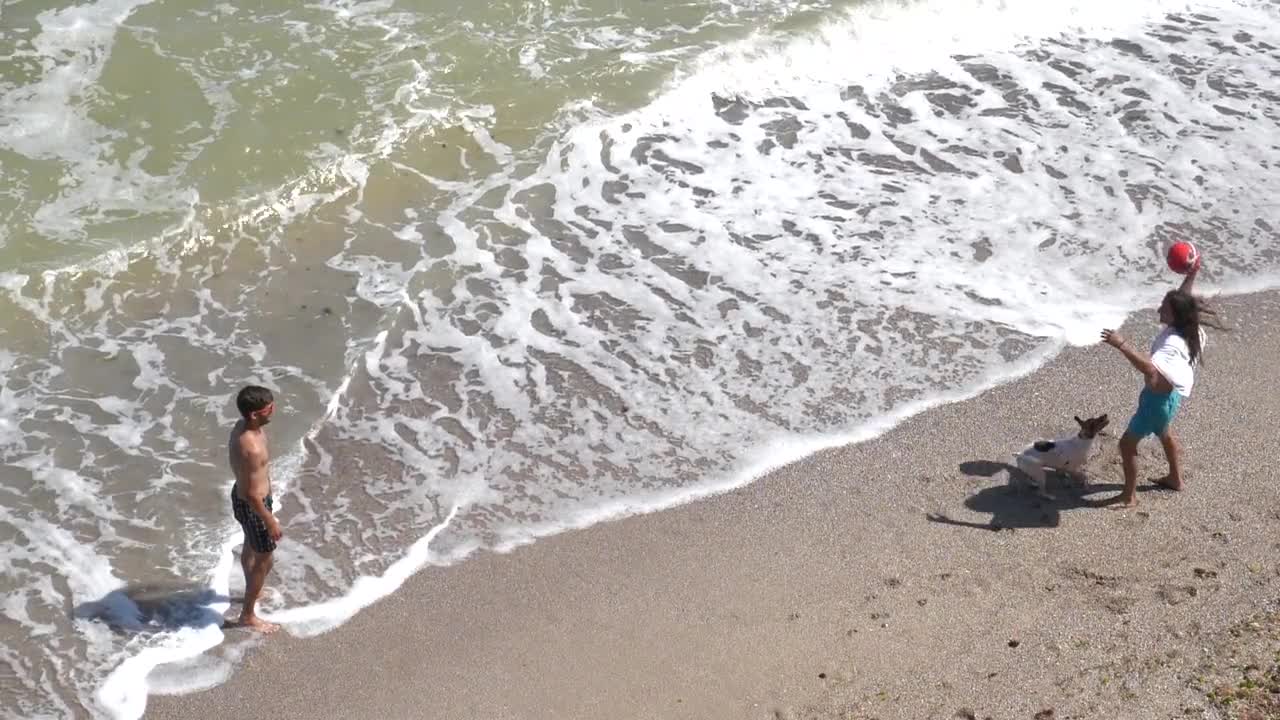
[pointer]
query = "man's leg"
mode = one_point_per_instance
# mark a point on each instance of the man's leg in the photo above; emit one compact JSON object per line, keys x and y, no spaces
{"x":247,"y":557}
{"x":1129,"y":460}
{"x":255,"y":577}
{"x":1172,"y":453}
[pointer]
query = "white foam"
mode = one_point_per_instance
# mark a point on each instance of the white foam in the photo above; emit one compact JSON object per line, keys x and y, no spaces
{"x":123,"y":694}
{"x":874,"y":48}
{"x":312,"y":620}
{"x":756,"y":464}
{"x":50,"y":120}
{"x":879,"y":40}
{"x":79,"y":39}
{"x":76,"y":43}
{"x":316,"y":619}
{"x":1101,"y":268}
{"x":14,"y":607}
{"x":87,"y":574}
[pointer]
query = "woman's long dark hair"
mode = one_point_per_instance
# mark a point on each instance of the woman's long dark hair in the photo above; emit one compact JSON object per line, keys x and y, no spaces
{"x":1189,"y":314}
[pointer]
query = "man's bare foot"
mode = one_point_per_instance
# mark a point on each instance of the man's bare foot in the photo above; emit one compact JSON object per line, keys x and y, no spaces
{"x":1170,"y":482}
{"x":253,"y":622}
{"x":1124,"y":503}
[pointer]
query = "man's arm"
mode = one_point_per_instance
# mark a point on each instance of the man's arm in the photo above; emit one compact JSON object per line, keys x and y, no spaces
{"x":1155,"y":380}
{"x":257,"y":483}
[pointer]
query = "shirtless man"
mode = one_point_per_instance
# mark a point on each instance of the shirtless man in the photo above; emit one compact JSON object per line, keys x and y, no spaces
{"x":251,"y":497}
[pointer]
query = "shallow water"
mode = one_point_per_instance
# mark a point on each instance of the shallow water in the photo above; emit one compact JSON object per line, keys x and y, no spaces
{"x":525,"y":267}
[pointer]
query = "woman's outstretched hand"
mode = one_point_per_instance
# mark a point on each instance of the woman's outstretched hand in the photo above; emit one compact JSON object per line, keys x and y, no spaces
{"x":1112,"y":338}
{"x":1189,"y":279}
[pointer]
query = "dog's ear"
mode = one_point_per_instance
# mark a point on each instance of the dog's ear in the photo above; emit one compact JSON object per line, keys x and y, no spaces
{"x":1078,"y":420}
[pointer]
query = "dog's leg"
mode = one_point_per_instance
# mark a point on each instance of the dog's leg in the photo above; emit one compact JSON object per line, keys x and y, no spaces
{"x":1034,"y":471}
{"x":1024,"y":470}
{"x":1043,"y":484}
{"x":1041,"y":478}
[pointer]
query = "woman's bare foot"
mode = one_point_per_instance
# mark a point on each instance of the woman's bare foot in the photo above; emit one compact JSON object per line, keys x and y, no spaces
{"x":1170,"y":482}
{"x":1124,"y":503}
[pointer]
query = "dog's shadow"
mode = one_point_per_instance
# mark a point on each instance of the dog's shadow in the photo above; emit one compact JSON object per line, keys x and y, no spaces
{"x":1015,"y":505}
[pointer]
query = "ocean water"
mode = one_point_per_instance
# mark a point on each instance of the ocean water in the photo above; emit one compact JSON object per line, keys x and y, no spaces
{"x":518,"y":267}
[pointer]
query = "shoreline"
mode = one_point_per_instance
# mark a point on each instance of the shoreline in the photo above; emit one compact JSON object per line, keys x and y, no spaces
{"x":736,"y":604}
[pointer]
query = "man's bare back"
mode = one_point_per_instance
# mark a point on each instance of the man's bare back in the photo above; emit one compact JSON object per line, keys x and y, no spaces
{"x":251,"y":501}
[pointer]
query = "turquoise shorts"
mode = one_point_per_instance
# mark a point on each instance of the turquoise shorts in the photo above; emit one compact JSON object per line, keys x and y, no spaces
{"x":1155,"y":412}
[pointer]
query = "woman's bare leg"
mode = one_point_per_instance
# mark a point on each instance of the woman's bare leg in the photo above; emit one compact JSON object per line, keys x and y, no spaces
{"x":1172,"y":453}
{"x":1129,"y":460}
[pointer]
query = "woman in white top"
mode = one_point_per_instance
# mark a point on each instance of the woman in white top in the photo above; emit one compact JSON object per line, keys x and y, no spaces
{"x":1168,"y":375}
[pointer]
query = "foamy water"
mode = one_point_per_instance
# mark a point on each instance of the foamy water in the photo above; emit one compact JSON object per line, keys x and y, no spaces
{"x":697,"y":246}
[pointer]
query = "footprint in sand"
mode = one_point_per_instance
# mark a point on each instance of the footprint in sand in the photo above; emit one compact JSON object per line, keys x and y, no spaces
{"x":1177,"y":594}
{"x":1091,"y":577}
{"x":1119,"y":604}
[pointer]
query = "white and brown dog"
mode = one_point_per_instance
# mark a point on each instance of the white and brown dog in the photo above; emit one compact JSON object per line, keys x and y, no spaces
{"x":1068,"y":455}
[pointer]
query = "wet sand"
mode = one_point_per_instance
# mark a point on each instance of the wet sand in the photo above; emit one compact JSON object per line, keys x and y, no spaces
{"x":897,"y":578}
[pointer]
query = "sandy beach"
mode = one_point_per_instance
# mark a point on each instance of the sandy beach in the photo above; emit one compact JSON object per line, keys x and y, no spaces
{"x":897,"y":578}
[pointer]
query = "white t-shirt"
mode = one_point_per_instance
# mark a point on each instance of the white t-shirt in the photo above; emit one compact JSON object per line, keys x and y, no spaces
{"x":1172,"y":357}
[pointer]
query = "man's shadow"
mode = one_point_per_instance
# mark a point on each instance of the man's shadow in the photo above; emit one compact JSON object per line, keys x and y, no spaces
{"x":144,"y":608}
{"x":1015,"y":505}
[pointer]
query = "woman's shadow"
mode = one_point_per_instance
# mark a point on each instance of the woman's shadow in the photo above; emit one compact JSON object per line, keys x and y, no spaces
{"x":1015,"y":505}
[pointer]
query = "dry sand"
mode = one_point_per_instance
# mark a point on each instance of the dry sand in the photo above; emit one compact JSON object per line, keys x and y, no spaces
{"x":824,"y":590}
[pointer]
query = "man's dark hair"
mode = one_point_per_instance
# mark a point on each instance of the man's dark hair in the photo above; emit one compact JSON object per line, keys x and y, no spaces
{"x":253,"y":398}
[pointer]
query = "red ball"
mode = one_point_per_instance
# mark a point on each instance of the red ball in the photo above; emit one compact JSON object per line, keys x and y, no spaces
{"x":1183,"y":256}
